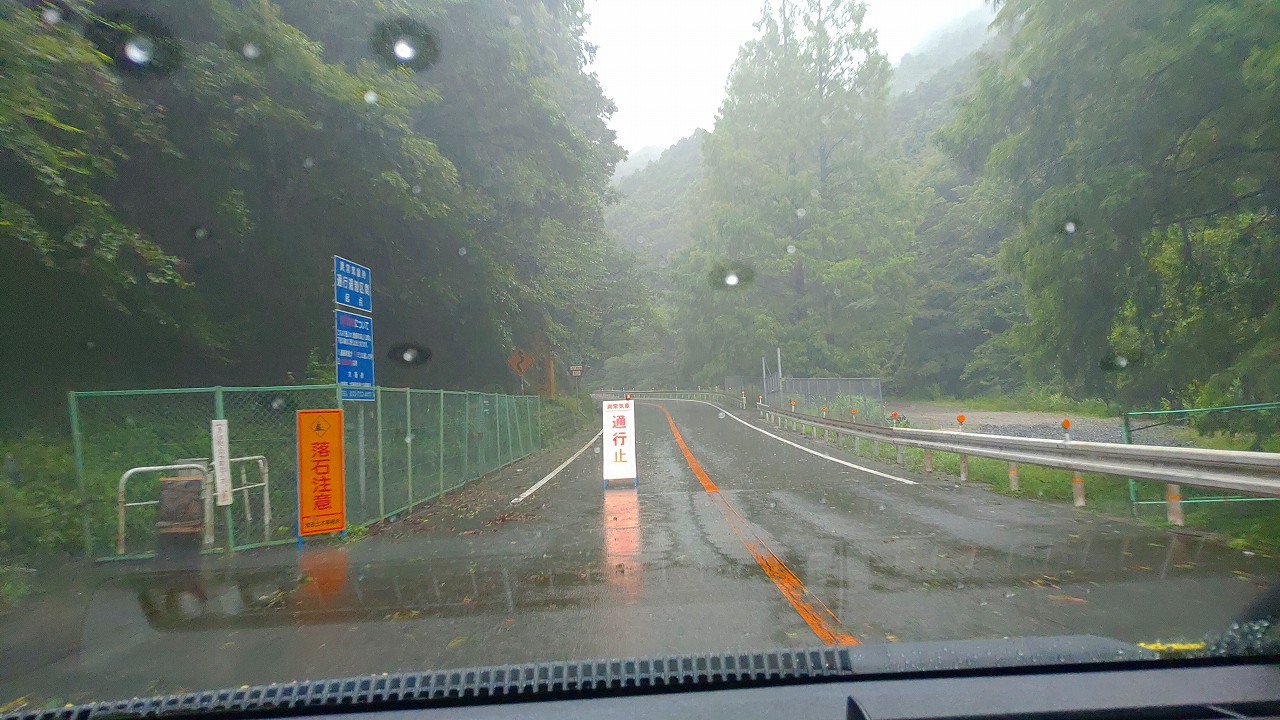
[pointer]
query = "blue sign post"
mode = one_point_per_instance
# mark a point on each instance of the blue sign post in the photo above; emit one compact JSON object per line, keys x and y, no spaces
{"x":352,"y":285}
{"x":353,"y":349}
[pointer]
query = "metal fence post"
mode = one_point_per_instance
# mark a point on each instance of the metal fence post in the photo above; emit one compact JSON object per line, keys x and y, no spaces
{"x":360,"y":459}
{"x":528,"y":420}
{"x":408,"y":443}
{"x":497,"y":428}
{"x":466,"y":436}
{"x":511,"y":451}
{"x":1133,"y":490}
{"x":77,"y":449}
{"x":382,"y":499}
{"x":219,"y":412}
{"x":441,"y":442}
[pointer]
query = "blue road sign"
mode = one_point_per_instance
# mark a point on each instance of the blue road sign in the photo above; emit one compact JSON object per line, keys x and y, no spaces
{"x":353,"y":349}
{"x":352,"y":285}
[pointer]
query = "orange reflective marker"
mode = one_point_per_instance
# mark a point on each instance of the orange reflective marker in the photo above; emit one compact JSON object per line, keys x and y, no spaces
{"x":793,"y":403}
{"x":824,"y":408}
{"x":854,"y":411}
{"x":1066,"y":424}
{"x":628,"y":396}
{"x":960,"y":419}
{"x":895,"y":414}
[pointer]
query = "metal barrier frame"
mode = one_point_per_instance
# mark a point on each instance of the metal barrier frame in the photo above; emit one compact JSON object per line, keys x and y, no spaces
{"x":205,"y":495}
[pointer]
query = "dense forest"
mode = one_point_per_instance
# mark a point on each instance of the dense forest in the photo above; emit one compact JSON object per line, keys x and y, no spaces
{"x":1078,"y":196}
{"x":1086,"y":204}
{"x":177,"y":176}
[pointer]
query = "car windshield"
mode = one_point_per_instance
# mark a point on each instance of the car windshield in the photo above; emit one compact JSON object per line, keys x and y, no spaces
{"x":372,"y":336}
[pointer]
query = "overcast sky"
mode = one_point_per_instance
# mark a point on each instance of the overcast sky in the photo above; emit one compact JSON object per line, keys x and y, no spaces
{"x":665,"y":62}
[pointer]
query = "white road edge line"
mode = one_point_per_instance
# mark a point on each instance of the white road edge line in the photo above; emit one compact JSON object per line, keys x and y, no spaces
{"x":553,"y":473}
{"x":811,"y":451}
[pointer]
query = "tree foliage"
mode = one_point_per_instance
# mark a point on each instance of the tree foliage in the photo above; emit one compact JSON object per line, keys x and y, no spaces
{"x":179,"y":220}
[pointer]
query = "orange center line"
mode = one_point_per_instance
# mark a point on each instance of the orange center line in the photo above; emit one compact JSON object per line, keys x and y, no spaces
{"x":811,"y":609}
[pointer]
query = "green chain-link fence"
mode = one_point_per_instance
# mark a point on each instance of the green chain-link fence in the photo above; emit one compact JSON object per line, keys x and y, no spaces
{"x":406,"y":447}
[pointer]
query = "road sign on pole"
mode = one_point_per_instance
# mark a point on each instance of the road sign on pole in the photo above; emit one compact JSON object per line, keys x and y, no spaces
{"x":352,"y":285}
{"x":575,"y":370}
{"x":321,"y":498}
{"x":619,"y":440}
{"x":221,"y":461}
{"x":353,"y":351}
{"x":520,"y":362}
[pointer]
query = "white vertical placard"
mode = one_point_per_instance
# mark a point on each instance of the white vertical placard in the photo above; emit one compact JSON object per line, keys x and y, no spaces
{"x":619,"y":440}
{"x":221,"y":461}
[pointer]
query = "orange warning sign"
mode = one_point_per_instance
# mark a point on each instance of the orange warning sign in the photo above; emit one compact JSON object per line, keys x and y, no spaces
{"x":321,"y":503}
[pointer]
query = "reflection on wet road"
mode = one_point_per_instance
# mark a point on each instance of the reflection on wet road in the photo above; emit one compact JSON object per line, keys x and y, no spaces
{"x":732,"y":540}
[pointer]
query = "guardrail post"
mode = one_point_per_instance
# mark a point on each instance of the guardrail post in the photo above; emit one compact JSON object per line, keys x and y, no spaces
{"x":857,"y":444}
{"x":1173,"y":502}
{"x":1013,"y":477}
{"x":382,"y":496}
{"x":928,"y":461}
{"x":899,"y":454}
{"x":1077,"y":489}
{"x":964,"y":468}
{"x":875,"y":449}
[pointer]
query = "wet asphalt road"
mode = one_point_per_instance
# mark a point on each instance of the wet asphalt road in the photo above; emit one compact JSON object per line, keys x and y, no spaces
{"x":735,"y":540}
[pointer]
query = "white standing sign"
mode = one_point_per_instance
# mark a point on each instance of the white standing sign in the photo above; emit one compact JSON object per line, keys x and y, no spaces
{"x":221,"y":461}
{"x":619,"y":440}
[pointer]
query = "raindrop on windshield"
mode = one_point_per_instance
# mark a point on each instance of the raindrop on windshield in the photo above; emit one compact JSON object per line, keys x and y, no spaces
{"x":370,"y":97}
{"x":251,"y":51}
{"x":462,"y":252}
{"x":1026,"y":82}
{"x":1070,"y":227}
{"x":137,"y":42}
{"x":277,"y":403}
{"x":416,"y":189}
{"x":1122,"y":361}
{"x":308,"y":163}
{"x":662,"y":264}
{"x":791,"y":249}
{"x":514,"y":21}
{"x":801,"y":212}
{"x":317,"y":125}
{"x":200,"y":232}
{"x":140,"y":50}
{"x":721,"y":416}
{"x":403,"y":42}
{"x":51,"y":15}
{"x":409,"y":354}
{"x":597,"y":449}
{"x":731,"y":279}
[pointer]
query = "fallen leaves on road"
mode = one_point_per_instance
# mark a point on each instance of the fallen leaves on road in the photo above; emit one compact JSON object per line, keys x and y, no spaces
{"x":470,"y":532}
{"x":456,"y":642}
{"x":404,"y":615}
{"x":1067,"y":599}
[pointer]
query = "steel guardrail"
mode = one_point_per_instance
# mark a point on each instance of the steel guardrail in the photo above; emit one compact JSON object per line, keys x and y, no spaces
{"x":1243,"y":471}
